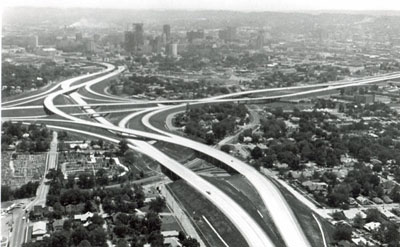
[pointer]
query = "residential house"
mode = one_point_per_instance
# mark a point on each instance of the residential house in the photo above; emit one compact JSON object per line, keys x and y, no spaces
{"x":372,"y":226}
{"x":39,"y":229}
{"x":315,"y":186}
{"x":38,"y":211}
{"x":172,"y":242}
{"x":387,"y":199}
{"x":363,"y":200}
{"x":83,"y":217}
{"x":58,"y":225}
{"x":377,"y":200}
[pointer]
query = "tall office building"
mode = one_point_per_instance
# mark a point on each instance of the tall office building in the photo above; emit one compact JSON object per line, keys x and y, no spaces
{"x":167,"y":32}
{"x":129,"y":41}
{"x":227,"y":34}
{"x":36,"y":41}
{"x":192,"y":35}
{"x":172,"y":50}
{"x":139,"y":34}
{"x":78,"y":37}
{"x":260,"y":41}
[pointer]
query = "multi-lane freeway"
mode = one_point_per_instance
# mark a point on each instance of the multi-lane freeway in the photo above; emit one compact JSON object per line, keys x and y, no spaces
{"x":280,"y":211}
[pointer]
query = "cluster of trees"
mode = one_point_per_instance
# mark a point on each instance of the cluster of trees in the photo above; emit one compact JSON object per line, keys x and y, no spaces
{"x":28,"y":76}
{"x":220,"y":119}
{"x":75,"y":234}
{"x":38,"y":140}
{"x":361,"y":180}
{"x":310,"y":142}
{"x":147,"y":229}
{"x":25,"y":191}
{"x":124,"y":200}
{"x":377,"y":109}
{"x":301,"y":73}
{"x":135,"y":85}
{"x":322,"y":142}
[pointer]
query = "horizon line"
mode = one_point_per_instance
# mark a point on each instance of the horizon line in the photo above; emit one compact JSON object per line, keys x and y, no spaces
{"x":211,"y":9}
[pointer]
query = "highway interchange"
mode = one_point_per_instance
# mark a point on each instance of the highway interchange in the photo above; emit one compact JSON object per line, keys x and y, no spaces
{"x":281,"y":213}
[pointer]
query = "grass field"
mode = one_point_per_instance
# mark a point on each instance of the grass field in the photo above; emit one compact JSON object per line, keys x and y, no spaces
{"x":197,"y":206}
{"x":23,"y":112}
{"x":179,"y":153}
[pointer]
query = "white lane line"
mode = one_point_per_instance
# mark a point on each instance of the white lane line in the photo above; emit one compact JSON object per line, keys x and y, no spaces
{"x":258,"y":211}
{"x":320,"y":228}
{"x":219,"y":236}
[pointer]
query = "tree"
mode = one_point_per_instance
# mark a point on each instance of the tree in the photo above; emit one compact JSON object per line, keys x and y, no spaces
{"x":338,"y":215}
{"x":365,"y":154}
{"x":157,"y":205}
{"x":122,"y":243}
{"x":84,"y":243}
{"x":97,"y":220}
{"x":190,"y":242}
{"x":358,"y":221}
{"x":86,"y":181}
{"x":98,"y":237}
{"x":121,"y":230}
{"x":70,"y":181}
{"x":59,"y":239}
{"x":6,"y":193}
{"x":129,"y":156}
{"x":156,"y":239}
{"x":153,"y":222}
{"x":79,"y":234}
{"x":226,"y":148}
{"x":101,"y":177}
{"x":256,"y":153}
{"x":373,"y":215}
{"x":181,"y":236}
{"x":342,"y":232}
{"x":123,"y":147}
{"x":339,"y":197}
{"x":67,"y":225}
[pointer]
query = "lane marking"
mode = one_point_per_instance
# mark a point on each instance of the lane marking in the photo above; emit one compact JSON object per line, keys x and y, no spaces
{"x":320,"y":228}
{"x":212,"y":228}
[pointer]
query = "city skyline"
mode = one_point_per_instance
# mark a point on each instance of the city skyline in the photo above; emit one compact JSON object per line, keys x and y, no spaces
{"x":236,"y":5}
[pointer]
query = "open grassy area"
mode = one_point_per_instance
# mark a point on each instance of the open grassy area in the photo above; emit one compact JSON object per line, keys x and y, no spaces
{"x":23,"y":112}
{"x":178,"y":153}
{"x":196,"y":206}
{"x":31,"y":93}
{"x":238,"y":188}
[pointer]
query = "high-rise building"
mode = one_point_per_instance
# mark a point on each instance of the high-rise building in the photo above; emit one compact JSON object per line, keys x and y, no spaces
{"x":260,"y":41}
{"x":36,"y":41}
{"x":156,"y":44}
{"x":227,"y":34}
{"x":167,"y":32}
{"x":139,"y":34}
{"x":192,"y":35}
{"x":129,"y":41}
{"x":172,"y":50}
{"x":78,"y":37}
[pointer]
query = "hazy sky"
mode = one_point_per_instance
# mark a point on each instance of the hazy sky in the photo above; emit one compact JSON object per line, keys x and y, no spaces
{"x":245,"y":5}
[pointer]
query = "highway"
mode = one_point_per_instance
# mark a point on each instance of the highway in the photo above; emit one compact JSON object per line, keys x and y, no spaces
{"x":275,"y":203}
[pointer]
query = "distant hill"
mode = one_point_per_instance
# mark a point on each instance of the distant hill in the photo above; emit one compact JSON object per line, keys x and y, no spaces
{"x":190,"y":19}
